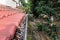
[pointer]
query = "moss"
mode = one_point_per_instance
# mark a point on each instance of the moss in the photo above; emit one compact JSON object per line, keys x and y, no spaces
{"x":29,"y":38}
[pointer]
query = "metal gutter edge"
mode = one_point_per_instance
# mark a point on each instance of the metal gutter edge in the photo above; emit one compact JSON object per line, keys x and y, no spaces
{"x":25,"y":36}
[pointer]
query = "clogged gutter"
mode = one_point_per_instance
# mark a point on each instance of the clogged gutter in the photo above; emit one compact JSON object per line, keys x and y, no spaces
{"x":9,"y":21}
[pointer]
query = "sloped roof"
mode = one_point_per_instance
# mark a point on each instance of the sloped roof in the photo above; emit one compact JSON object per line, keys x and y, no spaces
{"x":10,"y":18}
{"x":8,"y":8}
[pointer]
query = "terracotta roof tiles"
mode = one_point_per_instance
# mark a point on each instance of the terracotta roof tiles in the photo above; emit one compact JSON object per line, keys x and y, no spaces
{"x":9,"y":20}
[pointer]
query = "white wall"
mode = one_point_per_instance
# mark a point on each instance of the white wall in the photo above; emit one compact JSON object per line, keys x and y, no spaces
{"x":2,"y":2}
{"x":8,"y":2}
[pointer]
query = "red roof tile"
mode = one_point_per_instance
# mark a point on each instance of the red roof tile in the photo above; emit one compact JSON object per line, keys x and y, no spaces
{"x":9,"y":20}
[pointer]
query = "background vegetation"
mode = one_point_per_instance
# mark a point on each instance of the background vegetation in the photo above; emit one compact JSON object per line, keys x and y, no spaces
{"x":48,"y":13}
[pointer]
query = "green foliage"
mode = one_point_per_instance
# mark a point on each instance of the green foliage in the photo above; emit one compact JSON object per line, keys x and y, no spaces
{"x":38,"y":26}
{"x":58,"y":1}
{"x":41,"y":27}
{"x":50,"y":8}
{"x":50,"y":31}
{"x":27,"y":6}
{"x":46,"y":7}
{"x":29,"y":38}
{"x":43,"y":8}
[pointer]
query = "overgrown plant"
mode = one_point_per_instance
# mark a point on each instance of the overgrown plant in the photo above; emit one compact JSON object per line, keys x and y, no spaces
{"x":27,"y":6}
{"x":49,"y":8}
